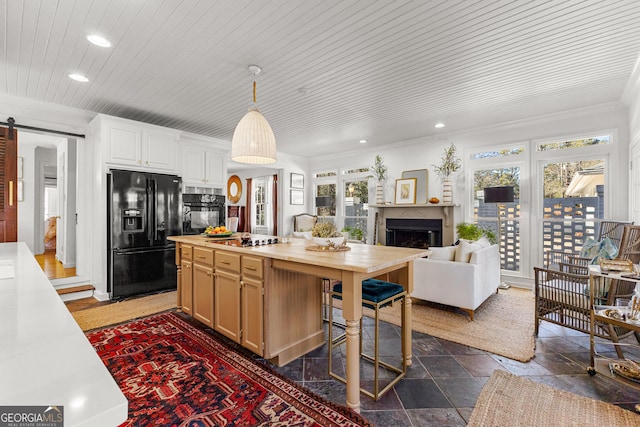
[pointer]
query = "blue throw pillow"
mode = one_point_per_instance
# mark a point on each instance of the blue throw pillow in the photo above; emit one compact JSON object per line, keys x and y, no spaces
{"x":594,"y":250}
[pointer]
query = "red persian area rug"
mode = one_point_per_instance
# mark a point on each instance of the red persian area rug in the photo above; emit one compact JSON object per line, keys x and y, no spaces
{"x":174,"y":374}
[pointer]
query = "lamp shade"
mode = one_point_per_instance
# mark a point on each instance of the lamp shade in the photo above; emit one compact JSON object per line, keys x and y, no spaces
{"x":498,"y":194}
{"x":253,"y":140}
{"x":324,"y":201}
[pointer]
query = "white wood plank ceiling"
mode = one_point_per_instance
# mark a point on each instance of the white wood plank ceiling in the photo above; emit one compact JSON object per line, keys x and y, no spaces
{"x":384,"y":71}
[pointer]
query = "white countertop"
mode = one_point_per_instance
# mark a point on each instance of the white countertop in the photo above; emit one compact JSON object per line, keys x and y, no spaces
{"x":45,"y":358}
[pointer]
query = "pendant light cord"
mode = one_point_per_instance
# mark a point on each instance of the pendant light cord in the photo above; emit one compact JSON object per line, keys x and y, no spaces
{"x":254,"y":92}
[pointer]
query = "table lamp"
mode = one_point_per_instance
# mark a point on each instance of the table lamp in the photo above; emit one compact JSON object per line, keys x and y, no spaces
{"x":324,"y":202}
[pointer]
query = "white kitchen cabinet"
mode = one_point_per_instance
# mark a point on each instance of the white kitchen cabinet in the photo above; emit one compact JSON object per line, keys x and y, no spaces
{"x":128,"y":143}
{"x":202,"y":167}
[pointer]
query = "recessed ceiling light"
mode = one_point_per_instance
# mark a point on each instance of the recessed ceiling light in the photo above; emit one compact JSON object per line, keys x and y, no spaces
{"x":439,"y":125}
{"x":78,"y":77}
{"x":98,"y":41}
{"x":363,"y":141}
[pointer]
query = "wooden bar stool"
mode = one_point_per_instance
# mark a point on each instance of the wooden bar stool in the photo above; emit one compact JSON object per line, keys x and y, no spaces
{"x":375,"y":295}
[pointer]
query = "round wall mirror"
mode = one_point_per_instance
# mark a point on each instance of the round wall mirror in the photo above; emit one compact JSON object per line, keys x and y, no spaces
{"x":234,"y":189}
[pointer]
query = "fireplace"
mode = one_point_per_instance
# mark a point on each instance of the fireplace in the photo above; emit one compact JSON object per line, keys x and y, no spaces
{"x":413,"y":233}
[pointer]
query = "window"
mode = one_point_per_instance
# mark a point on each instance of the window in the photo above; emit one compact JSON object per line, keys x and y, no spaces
{"x":516,"y":151}
{"x":261,"y":204}
{"x":502,"y":218}
{"x":343,"y":198}
{"x":574,"y":143}
{"x":356,"y":208}
{"x":572,"y":191}
{"x":573,"y":199}
{"x":326,"y":201}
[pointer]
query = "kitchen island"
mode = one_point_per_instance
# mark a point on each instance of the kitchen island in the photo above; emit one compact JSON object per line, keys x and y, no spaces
{"x":45,"y":358}
{"x":269,"y":297}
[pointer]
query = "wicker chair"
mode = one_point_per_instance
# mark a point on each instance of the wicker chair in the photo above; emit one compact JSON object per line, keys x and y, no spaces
{"x":562,"y":295}
{"x":611,"y":229}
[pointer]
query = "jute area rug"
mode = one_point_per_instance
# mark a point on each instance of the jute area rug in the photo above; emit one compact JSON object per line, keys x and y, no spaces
{"x":123,"y":311}
{"x":508,"y":400}
{"x":503,"y":324}
{"x":173,"y":373}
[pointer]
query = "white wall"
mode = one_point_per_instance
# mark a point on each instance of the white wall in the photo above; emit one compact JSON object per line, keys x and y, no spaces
{"x":406,"y":155}
{"x":423,"y":153}
{"x":286,"y":165}
{"x":631,"y":98}
{"x":61,"y":118}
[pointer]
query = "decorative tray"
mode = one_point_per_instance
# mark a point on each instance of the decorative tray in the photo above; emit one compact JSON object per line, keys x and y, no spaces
{"x":622,"y":314}
{"x":616,"y":265}
{"x":327,"y":248}
{"x":627,"y":369}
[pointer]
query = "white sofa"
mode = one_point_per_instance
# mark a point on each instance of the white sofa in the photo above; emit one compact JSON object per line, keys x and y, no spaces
{"x":465,"y":283}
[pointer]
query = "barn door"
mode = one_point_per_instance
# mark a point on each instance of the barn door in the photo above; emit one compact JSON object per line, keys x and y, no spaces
{"x":8,"y":185}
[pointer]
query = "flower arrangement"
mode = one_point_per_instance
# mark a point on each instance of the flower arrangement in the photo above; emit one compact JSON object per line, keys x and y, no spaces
{"x":450,"y":163}
{"x":325,"y":229}
{"x":379,"y":169}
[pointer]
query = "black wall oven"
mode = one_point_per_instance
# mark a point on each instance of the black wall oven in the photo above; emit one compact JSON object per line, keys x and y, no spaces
{"x":200,"y":211}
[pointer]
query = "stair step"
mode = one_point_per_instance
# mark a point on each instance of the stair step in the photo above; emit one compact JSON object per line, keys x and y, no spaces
{"x":81,"y":288}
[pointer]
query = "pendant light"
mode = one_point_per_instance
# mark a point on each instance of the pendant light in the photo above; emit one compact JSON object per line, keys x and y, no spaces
{"x":253,"y":140}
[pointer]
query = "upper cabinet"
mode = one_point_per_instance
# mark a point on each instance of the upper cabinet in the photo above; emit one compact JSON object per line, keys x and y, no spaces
{"x":203,"y":167}
{"x":142,"y":146}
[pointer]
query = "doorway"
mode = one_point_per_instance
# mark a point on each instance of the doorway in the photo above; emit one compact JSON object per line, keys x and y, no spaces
{"x":573,"y":203}
{"x":48,"y":194}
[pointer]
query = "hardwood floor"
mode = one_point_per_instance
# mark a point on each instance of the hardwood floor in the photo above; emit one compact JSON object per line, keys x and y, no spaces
{"x":85,"y":303}
{"x":52,"y":267}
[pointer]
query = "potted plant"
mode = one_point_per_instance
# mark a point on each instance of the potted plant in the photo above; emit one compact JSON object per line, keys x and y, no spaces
{"x":469,"y":231}
{"x":380,"y":173}
{"x":450,"y":163}
{"x":354,"y":232}
{"x":326,"y":234}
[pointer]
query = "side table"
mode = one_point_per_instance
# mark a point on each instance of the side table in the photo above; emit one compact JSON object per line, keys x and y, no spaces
{"x":599,"y":313}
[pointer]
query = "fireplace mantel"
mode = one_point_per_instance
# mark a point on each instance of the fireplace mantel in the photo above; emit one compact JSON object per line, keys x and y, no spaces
{"x":439,"y":210}
{"x":446,"y":211}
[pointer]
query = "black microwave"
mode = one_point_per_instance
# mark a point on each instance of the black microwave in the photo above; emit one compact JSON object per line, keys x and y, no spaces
{"x":201,"y":211}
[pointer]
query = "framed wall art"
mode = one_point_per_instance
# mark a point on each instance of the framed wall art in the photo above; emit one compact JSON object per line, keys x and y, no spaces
{"x":422,"y":184}
{"x":297,"y":180}
{"x":405,"y":191}
{"x":297,"y":197}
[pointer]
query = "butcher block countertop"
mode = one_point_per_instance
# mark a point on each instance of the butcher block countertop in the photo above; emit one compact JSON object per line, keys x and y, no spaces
{"x":360,"y":258}
{"x":290,"y":264}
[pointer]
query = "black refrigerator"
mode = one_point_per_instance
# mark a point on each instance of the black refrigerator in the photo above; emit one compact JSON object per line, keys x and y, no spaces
{"x":144,"y":209}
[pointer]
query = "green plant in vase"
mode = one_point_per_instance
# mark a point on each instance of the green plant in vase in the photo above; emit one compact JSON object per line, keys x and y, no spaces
{"x":450,"y":163}
{"x":469,"y":231}
{"x":354,"y":232}
{"x":379,"y":171}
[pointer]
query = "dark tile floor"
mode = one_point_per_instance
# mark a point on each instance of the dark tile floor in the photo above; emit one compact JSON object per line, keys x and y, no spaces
{"x":442,"y":385}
